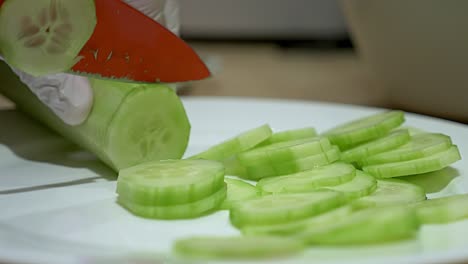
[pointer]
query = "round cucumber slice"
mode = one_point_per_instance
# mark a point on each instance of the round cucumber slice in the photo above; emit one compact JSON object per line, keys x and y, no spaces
{"x":283,"y":208}
{"x":306,"y":181}
{"x":443,"y":210}
{"x":238,"y":191}
{"x":421,"y":145}
{"x":181,"y":211}
{"x":434,"y":162}
{"x":289,"y":135}
{"x":364,"y":129}
{"x":170,"y":182}
{"x":361,"y":185}
{"x":388,"y":142}
{"x":150,"y":124}
{"x":392,"y":192}
{"x":240,"y":143}
{"x":45,"y":36}
{"x":236,"y":247}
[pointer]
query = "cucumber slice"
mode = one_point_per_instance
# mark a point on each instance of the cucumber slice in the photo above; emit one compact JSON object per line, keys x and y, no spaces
{"x":295,"y":227}
{"x":283,"y":208}
{"x":240,"y":143}
{"x":289,"y":135}
{"x":421,"y":145}
{"x":45,"y":36}
{"x":392,"y":192}
{"x":237,"y":191}
{"x":306,"y":181}
{"x":443,"y":210}
{"x":374,"y":225}
{"x":364,"y":129}
{"x":361,"y":185}
{"x":434,"y":162}
{"x":284,"y":151}
{"x":283,"y":168}
{"x":236,"y":247}
{"x":388,"y":142}
{"x":170,"y":182}
{"x":180,"y":211}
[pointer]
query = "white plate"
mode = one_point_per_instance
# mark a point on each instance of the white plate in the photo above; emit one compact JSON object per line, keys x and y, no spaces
{"x":57,"y":204}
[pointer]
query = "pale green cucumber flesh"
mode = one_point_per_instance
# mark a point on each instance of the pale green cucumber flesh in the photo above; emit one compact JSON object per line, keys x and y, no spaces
{"x":181,"y":211}
{"x":258,"y":247}
{"x":430,"y":163}
{"x":306,"y":181}
{"x":235,"y":145}
{"x":443,"y":210}
{"x":289,"y":135}
{"x":361,"y":185}
{"x":170,"y":182}
{"x":283,"y":208}
{"x":42,"y":37}
{"x":364,"y":129}
{"x":238,"y":191}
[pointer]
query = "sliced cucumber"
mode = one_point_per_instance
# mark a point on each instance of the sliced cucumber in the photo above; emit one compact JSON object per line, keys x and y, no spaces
{"x":284,"y":151}
{"x":181,"y":211}
{"x":283,"y":168}
{"x":374,"y":225}
{"x":434,"y":162}
{"x":45,"y":36}
{"x":237,"y":191}
{"x":240,"y":143}
{"x":289,"y":135}
{"x":236,"y":247}
{"x":306,"y":181}
{"x":388,"y":142}
{"x":443,"y":210}
{"x":170,"y":182}
{"x":392,"y":192}
{"x":364,"y":129}
{"x":283,"y":208}
{"x":361,"y":185}
{"x":421,"y":145}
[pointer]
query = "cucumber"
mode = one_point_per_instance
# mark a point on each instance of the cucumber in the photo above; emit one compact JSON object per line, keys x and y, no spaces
{"x":289,"y":135}
{"x":276,"y":169}
{"x":368,"y":226}
{"x":392,"y":192}
{"x":361,"y":185}
{"x":284,"y":151}
{"x":180,"y":211}
{"x":259,"y":247}
{"x":443,"y":210}
{"x":170,"y":182}
{"x":306,"y":181}
{"x":129,"y":123}
{"x":364,"y":129}
{"x":238,"y":191}
{"x":388,"y":142}
{"x":240,"y":143}
{"x":421,"y":145}
{"x":430,"y":163}
{"x":283,"y":208}
{"x":45,"y":36}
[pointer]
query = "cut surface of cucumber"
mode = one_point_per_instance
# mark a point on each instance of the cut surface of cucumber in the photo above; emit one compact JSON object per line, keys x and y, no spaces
{"x":420,"y":145}
{"x":283,"y":208}
{"x":307,"y":181}
{"x":45,"y":36}
{"x":443,"y":210}
{"x":289,"y":135}
{"x":430,"y":163}
{"x":392,"y":192}
{"x":258,"y":247}
{"x":361,"y":185}
{"x":364,"y":129}
{"x":388,"y":142}
{"x":238,"y":191}
{"x":180,"y":211}
{"x":170,"y":182}
{"x":237,"y":144}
